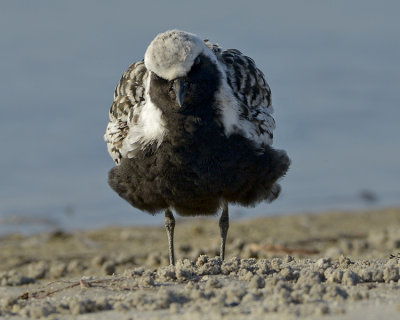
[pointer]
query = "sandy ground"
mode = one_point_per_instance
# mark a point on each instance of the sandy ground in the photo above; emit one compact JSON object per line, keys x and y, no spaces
{"x":330,"y":266}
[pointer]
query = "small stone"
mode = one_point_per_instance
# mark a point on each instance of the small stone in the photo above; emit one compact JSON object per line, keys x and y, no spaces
{"x":308,"y":277}
{"x":108,"y":268}
{"x":365,"y":275}
{"x":147,"y":281}
{"x":184,"y":270}
{"x":245,"y":275}
{"x":323,"y":263}
{"x":213,"y":283}
{"x":333,"y":275}
{"x":276,"y":264}
{"x":166,"y":273}
{"x":249,"y":265}
{"x":230,"y":266}
{"x":344,"y":261}
{"x":264,"y":266}
{"x":288,"y":273}
{"x":201,"y":260}
{"x":257,"y":282}
{"x":350,"y":278}
{"x":377,"y":275}
{"x":391,"y":273}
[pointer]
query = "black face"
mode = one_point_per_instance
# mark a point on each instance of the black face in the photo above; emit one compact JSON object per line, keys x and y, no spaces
{"x":201,"y":85}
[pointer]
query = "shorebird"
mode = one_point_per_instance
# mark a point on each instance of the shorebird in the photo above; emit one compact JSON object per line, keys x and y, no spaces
{"x":191,"y":130}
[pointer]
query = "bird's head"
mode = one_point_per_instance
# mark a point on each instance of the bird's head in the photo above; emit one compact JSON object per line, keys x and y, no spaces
{"x":184,"y":70}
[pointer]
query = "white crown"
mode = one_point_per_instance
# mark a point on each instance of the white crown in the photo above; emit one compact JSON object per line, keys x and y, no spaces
{"x":171,"y":54}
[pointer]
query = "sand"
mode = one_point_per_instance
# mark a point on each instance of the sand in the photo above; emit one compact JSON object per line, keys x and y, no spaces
{"x":338,"y":265}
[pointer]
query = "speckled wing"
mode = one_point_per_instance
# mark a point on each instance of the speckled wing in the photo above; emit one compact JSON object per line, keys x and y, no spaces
{"x":251,"y":91}
{"x":128,"y":97}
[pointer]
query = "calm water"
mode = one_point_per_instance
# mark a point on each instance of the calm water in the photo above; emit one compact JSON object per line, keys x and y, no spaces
{"x":334,"y":70}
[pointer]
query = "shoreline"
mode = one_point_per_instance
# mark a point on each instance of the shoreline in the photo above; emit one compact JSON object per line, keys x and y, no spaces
{"x":277,"y":267}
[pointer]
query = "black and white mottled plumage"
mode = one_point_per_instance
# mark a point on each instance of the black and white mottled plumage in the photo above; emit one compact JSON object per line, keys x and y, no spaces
{"x":191,"y":129}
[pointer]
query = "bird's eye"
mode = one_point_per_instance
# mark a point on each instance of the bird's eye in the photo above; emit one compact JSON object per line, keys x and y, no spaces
{"x":197,"y":60}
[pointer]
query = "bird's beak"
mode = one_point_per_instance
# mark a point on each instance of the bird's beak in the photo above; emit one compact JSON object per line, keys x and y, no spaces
{"x":180,"y":88}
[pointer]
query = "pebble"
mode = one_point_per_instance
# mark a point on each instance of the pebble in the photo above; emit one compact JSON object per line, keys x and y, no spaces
{"x":108,"y":268}
{"x":257,"y":282}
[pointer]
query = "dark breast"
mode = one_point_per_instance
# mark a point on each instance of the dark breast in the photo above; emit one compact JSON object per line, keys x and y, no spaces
{"x":195,"y":168}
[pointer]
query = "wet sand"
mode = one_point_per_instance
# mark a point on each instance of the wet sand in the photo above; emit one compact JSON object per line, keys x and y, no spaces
{"x":338,"y":265}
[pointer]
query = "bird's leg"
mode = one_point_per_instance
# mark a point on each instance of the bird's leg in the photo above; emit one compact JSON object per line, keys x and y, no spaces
{"x":223,"y":227}
{"x":170,"y":226}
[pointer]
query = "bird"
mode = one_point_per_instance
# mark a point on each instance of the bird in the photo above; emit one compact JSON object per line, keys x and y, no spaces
{"x":190,"y":130}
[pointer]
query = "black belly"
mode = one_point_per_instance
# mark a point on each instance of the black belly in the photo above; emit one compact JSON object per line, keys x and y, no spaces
{"x":193,"y":177}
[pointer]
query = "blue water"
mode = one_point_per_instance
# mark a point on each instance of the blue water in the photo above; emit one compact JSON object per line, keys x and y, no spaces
{"x":334,"y":70}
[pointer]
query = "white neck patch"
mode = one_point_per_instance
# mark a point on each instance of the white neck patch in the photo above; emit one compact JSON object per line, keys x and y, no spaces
{"x":171,"y":54}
